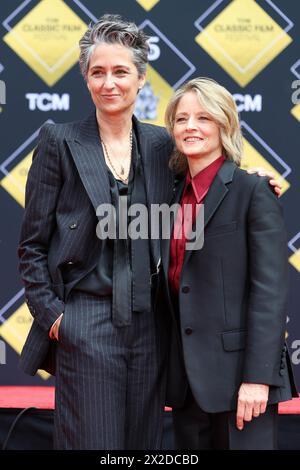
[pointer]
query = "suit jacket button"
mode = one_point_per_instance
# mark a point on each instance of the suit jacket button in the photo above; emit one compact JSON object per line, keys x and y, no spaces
{"x":185,"y":289}
{"x":188,"y":331}
{"x":72,"y":226}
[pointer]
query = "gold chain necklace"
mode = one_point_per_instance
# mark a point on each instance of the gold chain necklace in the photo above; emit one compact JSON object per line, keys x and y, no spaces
{"x":122,"y":167}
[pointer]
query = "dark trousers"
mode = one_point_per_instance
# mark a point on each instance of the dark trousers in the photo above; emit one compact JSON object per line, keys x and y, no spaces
{"x":195,"y":429}
{"x":110,"y":382}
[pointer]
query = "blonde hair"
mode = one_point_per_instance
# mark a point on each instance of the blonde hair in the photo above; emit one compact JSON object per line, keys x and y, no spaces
{"x":220,"y":105}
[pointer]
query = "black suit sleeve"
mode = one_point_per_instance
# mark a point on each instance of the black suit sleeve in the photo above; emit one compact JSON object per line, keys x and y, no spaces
{"x":268,"y":288}
{"x":42,"y":192}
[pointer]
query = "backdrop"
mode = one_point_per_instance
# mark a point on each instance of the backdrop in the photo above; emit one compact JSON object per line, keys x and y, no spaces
{"x":252,"y":47}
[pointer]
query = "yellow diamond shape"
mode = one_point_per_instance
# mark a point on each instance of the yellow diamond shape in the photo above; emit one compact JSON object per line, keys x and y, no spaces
{"x":252,"y":158}
{"x":296,"y":111}
{"x":163,"y":91}
{"x":15,"y":330}
{"x":295,"y":260}
{"x":243,"y":39}
{"x":147,"y":4}
{"x":14,"y":183}
{"x":47,"y":39}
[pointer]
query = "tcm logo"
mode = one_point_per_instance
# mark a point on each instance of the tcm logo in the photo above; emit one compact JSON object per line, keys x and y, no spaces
{"x":296,"y":94}
{"x":48,"y":102}
{"x":2,"y":92}
{"x":248,"y":102}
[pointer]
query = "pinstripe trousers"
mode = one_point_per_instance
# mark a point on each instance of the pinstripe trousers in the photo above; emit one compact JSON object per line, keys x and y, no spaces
{"x":110,"y":382}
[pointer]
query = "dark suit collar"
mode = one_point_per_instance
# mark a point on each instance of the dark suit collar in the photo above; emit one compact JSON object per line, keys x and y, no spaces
{"x":145,"y":131}
{"x":88,"y":131}
{"x":87,"y":154}
{"x":149,"y":145}
{"x":145,"y":141}
{"x":217,"y":192}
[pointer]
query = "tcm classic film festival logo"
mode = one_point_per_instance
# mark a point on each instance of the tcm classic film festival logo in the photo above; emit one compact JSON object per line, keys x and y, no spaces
{"x":46,"y":37}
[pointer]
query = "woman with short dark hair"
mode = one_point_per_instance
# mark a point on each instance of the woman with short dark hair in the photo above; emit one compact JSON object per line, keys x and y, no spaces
{"x":229,"y":365}
{"x":93,"y":295}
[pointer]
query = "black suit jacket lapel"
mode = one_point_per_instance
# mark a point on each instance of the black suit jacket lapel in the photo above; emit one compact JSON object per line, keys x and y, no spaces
{"x":87,"y":154}
{"x":179,"y":184}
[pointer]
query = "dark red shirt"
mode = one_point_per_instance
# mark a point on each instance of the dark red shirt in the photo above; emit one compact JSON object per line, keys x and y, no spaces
{"x":194,"y":192}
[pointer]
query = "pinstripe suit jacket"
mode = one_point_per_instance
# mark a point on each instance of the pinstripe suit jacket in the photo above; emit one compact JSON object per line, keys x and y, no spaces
{"x":67,"y":181}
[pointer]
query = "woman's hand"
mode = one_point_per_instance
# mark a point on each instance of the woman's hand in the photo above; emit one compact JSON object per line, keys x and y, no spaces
{"x":252,"y":401}
{"x":276,"y":183}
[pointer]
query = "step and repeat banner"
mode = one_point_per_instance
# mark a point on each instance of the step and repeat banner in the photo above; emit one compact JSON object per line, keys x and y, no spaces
{"x":250,"y":46}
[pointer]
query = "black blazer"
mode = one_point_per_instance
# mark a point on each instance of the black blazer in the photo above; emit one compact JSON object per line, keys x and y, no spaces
{"x":232,"y":297}
{"x":67,"y":181}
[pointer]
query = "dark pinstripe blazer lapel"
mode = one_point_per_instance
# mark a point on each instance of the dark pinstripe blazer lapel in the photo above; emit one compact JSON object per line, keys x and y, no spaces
{"x":88,"y":156}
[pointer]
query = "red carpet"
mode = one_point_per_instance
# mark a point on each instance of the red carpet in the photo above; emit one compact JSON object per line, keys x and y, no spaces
{"x":25,"y":397}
